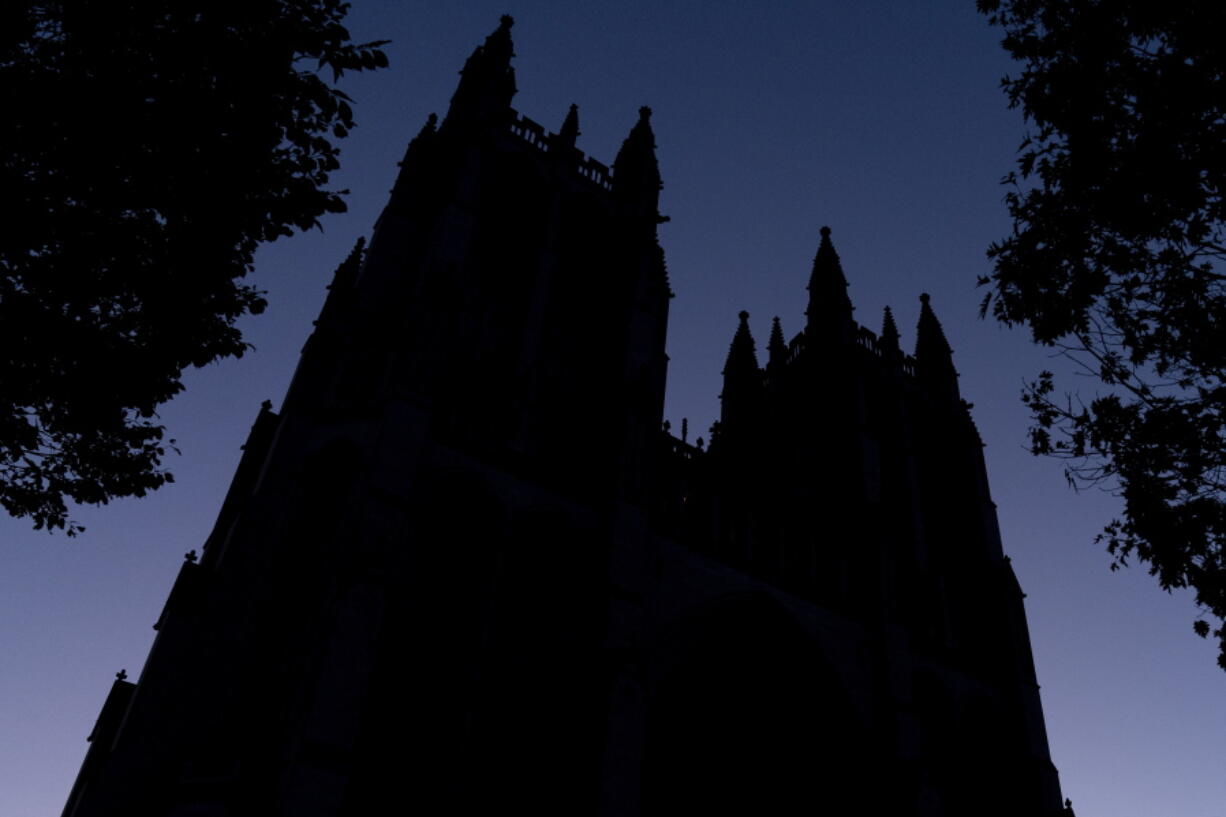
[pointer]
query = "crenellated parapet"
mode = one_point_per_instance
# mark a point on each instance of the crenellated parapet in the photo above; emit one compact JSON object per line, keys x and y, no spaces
{"x":530,"y":131}
{"x":535,"y":135}
{"x":796,"y":353}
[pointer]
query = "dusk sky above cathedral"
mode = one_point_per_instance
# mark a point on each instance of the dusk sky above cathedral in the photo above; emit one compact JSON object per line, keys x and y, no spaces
{"x":882,"y":120}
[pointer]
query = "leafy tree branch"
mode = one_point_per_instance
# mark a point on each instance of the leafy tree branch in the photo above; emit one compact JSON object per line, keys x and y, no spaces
{"x":1116,"y":261}
{"x":147,"y":148}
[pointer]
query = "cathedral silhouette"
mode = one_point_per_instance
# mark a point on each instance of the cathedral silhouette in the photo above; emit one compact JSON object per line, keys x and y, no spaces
{"x":467,"y":569}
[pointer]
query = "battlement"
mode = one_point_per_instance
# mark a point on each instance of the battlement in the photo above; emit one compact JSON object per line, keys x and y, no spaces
{"x":866,"y":339}
{"x":535,"y":135}
{"x":530,"y":131}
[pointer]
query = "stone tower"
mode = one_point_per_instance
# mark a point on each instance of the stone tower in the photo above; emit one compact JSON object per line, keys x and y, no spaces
{"x":464,"y":569}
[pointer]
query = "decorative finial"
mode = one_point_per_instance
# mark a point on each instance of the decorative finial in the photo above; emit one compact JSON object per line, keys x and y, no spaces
{"x":829,"y":306}
{"x":685,"y":428}
{"x":122,"y":675}
{"x":569,"y":131}
{"x":933,"y":354}
{"x":888,"y":327}
{"x":636,"y":173}
{"x":190,"y":556}
{"x":505,"y":22}
{"x":776,"y":347}
{"x":742,"y":359}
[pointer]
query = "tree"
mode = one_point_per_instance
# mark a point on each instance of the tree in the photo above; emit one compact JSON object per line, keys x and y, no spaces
{"x":146,"y":148}
{"x":1116,"y":261}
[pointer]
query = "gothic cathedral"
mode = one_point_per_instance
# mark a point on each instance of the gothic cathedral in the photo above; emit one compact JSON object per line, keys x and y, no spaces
{"x":466,"y":570}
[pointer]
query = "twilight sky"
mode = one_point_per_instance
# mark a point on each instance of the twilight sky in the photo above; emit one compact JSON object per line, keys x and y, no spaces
{"x":883,"y":120}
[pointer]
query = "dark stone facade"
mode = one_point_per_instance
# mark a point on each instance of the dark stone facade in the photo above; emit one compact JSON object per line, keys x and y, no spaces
{"x":466,"y":571}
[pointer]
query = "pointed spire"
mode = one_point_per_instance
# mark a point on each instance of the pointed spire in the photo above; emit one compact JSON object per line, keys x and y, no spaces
{"x":636,"y":173}
{"x":776,"y":347}
{"x":487,"y":81}
{"x":498,"y":46}
{"x":742,"y":357}
{"x":930,"y":342}
{"x":739,"y":401}
{"x":830,"y":308}
{"x":888,"y":340}
{"x":933,"y":357}
{"x":569,"y":131}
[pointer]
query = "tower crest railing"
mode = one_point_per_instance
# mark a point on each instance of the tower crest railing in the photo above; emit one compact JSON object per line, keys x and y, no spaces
{"x":531,"y":132}
{"x":535,"y":135}
{"x":597,"y":172}
{"x":865,"y":338}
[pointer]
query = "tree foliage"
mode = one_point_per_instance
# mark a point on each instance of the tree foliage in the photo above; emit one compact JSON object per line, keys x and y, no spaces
{"x":146,"y":148}
{"x":1116,"y":260}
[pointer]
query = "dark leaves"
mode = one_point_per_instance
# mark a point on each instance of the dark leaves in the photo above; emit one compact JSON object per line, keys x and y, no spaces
{"x":1117,"y":260}
{"x":147,"y":147}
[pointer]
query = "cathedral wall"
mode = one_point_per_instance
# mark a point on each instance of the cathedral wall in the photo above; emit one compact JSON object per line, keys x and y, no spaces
{"x":463,"y":570}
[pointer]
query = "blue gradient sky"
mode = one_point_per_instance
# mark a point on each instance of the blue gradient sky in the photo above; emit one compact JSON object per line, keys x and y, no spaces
{"x":883,"y":120}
